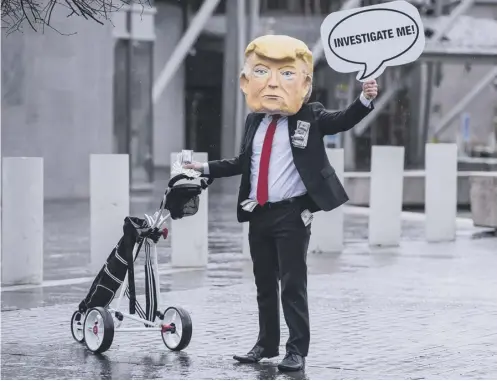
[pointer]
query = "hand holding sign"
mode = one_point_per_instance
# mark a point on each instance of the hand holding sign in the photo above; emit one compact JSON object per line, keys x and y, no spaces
{"x":369,"y":39}
{"x":370,"y":89}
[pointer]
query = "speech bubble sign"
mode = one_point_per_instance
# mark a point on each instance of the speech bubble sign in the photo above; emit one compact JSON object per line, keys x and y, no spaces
{"x":369,"y":39}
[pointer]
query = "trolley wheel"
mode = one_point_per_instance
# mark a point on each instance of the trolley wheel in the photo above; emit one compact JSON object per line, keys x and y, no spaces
{"x":177,"y":328}
{"x":99,"y":329}
{"x":77,"y":330}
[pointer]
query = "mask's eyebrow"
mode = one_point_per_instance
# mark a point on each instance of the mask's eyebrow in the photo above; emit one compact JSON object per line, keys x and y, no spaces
{"x":288,"y":67}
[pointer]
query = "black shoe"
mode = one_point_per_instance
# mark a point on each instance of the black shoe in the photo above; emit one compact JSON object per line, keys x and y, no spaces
{"x":292,"y":363}
{"x":256,"y":354}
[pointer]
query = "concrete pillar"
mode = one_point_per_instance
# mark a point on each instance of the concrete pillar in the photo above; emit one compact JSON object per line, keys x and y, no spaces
{"x":416,"y":135}
{"x":241,"y":108}
{"x":349,"y":139}
{"x":327,"y":227}
{"x":169,"y":110}
{"x":387,"y":177}
{"x":22,"y":227}
{"x":483,"y":197}
{"x":229,"y":145}
{"x":189,"y":235}
{"x":441,"y":192}
{"x":109,"y":204}
{"x":1,"y":209}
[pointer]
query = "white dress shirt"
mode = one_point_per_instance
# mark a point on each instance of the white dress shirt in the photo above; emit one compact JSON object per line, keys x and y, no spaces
{"x":283,"y":179}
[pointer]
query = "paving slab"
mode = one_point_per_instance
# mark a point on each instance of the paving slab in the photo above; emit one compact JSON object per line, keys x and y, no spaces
{"x":417,"y":311}
{"x":410,"y":312}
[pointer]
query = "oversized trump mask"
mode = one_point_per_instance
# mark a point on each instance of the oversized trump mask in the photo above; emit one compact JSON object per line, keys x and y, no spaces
{"x":277,"y":76}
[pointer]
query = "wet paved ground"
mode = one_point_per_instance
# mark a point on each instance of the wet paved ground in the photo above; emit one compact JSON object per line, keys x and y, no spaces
{"x":417,"y":311}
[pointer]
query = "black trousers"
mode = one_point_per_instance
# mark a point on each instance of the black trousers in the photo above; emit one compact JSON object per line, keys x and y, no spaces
{"x":278,"y":246}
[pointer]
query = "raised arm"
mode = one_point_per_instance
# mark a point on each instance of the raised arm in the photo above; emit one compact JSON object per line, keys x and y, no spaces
{"x":333,"y":122}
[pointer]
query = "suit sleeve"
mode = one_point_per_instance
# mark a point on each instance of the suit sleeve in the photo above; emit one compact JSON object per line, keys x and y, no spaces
{"x":333,"y":122}
{"x":227,"y":167}
{"x":224,"y":168}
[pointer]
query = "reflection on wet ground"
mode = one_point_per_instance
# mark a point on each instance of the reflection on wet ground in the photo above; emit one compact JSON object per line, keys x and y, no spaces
{"x":415,"y":311}
{"x":67,"y":250}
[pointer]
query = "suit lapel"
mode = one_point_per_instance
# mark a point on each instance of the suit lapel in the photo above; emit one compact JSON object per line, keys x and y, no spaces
{"x":251,"y":132}
{"x":292,"y":126}
{"x":246,"y":162}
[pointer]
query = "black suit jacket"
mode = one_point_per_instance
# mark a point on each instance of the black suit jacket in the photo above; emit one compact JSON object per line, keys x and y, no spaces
{"x":323,"y":186}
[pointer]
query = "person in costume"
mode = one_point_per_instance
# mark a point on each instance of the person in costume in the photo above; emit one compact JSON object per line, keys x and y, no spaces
{"x":285,"y":177}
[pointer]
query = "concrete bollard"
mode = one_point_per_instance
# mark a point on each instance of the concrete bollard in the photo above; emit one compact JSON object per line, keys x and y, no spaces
{"x":109,"y":204}
{"x":189,"y":235}
{"x":22,"y":225}
{"x":245,"y":240}
{"x":385,"y":204}
{"x":440,"y":192}
{"x":327,"y":227}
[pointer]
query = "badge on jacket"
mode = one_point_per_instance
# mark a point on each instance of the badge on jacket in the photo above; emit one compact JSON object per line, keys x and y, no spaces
{"x":299,"y":138}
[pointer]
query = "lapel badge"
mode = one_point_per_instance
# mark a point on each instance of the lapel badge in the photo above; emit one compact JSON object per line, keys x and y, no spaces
{"x":299,"y":138}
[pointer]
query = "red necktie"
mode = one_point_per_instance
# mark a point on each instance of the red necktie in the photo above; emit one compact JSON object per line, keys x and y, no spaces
{"x":262,"y":183}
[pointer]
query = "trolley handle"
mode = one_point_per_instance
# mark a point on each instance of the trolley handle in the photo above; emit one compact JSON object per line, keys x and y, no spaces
{"x":204,"y":183}
{"x":177,"y":178}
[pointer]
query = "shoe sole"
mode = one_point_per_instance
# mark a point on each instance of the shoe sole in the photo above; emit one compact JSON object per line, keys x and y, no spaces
{"x":288,"y":369}
{"x":247,"y":361}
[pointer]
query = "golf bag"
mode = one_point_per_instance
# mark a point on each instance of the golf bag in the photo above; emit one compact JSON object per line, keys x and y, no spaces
{"x":121,"y":262}
{"x":182,"y":200}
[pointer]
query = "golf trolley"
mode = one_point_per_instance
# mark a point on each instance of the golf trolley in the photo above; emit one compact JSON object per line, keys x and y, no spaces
{"x":95,"y":321}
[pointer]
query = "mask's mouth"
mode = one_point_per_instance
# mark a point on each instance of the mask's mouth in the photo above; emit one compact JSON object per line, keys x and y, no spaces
{"x":272,"y":97}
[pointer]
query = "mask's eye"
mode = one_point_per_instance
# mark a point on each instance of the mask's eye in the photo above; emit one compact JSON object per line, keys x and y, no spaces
{"x":288,"y":74}
{"x":260,"y":71}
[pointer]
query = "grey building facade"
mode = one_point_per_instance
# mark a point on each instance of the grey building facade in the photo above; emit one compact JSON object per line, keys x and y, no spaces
{"x":66,"y":97}
{"x":57,"y":99}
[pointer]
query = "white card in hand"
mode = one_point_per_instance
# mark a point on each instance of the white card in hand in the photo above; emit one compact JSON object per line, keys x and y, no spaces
{"x":307,"y":217}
